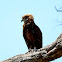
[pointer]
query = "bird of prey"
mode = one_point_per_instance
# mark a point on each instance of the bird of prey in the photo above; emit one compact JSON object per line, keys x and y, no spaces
{"x":31,"y":32}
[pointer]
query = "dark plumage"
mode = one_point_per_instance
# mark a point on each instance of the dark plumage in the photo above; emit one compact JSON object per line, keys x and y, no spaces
{"x":31,"y":32}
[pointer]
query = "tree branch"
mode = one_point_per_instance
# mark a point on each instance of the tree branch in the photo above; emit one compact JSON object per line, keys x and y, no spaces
{"x":58,"y":9}
{"x":45,"y":54}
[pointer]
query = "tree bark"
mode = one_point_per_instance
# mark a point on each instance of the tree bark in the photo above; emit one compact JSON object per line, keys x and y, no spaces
{"x":45,"y":54}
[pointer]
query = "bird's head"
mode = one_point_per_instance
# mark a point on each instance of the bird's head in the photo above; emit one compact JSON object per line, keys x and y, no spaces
{"x":28,"y":19}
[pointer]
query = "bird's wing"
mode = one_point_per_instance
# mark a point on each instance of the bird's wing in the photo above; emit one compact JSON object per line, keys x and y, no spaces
{"x":38,"y":36}
{"x":37,"y":32}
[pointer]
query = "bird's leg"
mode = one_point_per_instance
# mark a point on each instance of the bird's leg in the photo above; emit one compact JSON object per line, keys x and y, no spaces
{"x":35,"y":49}
{"x":30,"y":50}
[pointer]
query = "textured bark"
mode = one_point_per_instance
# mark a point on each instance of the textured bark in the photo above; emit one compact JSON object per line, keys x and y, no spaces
{"x":45,"y":54}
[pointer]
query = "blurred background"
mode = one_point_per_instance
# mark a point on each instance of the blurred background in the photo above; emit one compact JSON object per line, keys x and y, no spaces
{"x":45,"y":15}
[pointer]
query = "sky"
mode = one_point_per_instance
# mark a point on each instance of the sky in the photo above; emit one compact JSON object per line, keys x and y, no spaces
{"x":46,"y":17}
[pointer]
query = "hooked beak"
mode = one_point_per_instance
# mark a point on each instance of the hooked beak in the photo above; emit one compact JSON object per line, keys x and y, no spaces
{"x":22,"y":20}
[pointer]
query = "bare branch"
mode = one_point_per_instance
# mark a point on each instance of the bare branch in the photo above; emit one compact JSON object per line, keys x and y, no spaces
{"x":58,"y":10}
{"x":45,"y":54}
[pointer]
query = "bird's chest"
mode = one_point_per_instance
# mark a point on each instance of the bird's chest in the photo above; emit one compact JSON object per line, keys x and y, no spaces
{"x":30,"y":34}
